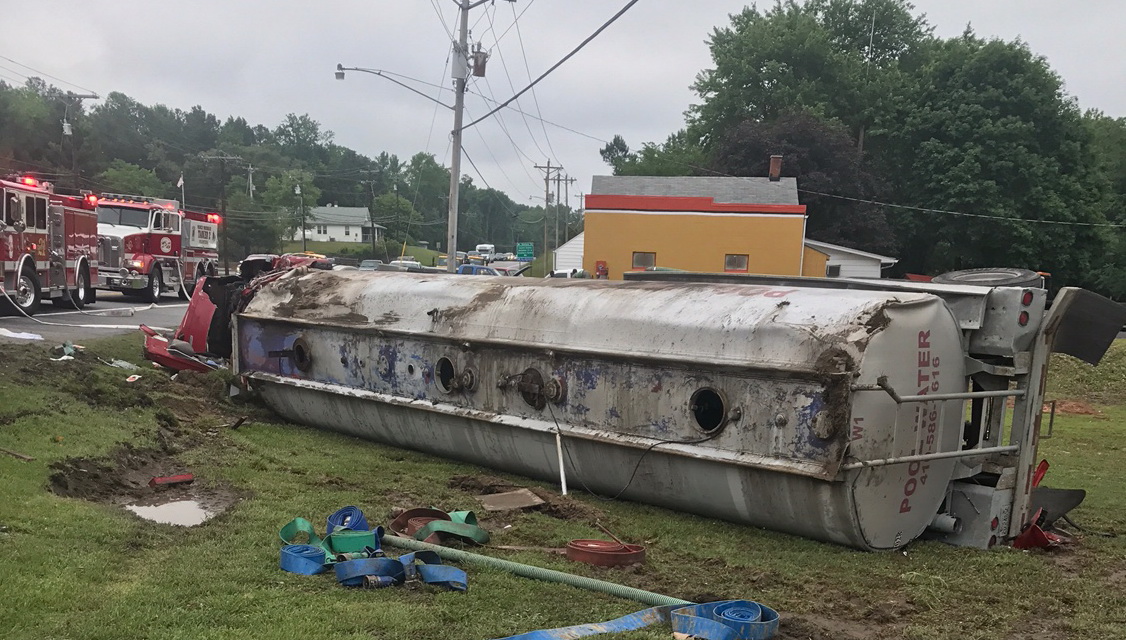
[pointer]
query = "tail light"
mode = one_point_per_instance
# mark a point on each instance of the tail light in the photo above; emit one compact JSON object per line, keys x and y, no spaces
{"x":1026,"y":299}
{"x":1022,"y":319}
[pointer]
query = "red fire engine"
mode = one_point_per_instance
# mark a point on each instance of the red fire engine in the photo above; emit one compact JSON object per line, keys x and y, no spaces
{"x":148,"y":246}
{"x":48,"y":245}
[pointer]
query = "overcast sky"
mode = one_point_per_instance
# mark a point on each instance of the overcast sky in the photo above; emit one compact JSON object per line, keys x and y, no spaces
{"x":263,"y":59}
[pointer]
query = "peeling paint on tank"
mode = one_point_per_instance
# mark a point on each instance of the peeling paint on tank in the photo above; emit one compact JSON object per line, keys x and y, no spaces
{"x":390,"y":355}
{"x":588,"y":376}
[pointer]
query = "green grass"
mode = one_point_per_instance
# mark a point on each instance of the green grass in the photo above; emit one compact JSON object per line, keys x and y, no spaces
{"x":76,"y":569}
{"x":1072,"y":379}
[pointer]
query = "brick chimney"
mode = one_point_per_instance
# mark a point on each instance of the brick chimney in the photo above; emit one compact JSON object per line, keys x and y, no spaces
{"x":775,"y":168}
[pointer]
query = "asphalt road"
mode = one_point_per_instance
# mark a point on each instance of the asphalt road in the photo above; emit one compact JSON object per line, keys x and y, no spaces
{"x":112,"y":314}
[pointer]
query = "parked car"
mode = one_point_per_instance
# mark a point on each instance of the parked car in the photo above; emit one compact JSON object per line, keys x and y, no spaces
{"x":567,"y":273}
{"x":517,"y":270}
{"x":477,"y":270}
{"x":408,"y":264}
{"x":370,"y":265}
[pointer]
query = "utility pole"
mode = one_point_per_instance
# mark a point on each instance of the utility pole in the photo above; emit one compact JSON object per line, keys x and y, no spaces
{"x":559,"y":203}
{"x":301,"y":216}
{"x":250,"y":181}
{"x":548,"y":176}
{"x":567,"y":182}
{"x":459,"y":70}
{"x":582,"y":205}
{"x":223,"y":158}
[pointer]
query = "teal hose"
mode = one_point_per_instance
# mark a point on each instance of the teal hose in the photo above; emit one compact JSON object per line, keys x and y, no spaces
{"x":537,"y":573}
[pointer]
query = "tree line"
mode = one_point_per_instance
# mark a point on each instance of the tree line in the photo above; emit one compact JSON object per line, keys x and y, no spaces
{"x":946,"y":153}
{"x":122,"y":146}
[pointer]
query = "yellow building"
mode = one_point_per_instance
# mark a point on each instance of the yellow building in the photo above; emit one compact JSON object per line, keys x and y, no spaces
{"x":732,"y":225}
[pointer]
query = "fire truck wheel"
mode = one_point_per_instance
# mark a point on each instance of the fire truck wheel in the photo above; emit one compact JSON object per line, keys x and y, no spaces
{"x":156,"y":286}
{"x":27,"y":294}
{"x":81,"y":286}
{"x":91,"y":295}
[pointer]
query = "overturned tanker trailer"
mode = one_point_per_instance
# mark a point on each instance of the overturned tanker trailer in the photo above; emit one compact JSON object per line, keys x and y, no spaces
{"x":835,"y":414}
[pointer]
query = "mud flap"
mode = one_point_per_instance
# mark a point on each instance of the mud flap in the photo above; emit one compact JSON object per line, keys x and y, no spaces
{"x":1084,"y":324}
{"x":1055,"y":503}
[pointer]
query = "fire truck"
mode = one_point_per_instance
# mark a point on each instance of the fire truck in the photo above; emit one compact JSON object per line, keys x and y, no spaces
{"x":149,"y":246}
{"x":48,"y":246}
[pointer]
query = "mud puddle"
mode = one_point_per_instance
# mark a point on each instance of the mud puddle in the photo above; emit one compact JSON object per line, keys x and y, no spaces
{"x":184,"y":513}
{"x":122,"y":479}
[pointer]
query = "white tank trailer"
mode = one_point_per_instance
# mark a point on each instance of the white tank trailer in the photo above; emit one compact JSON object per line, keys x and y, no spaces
{"x":835,"y":410}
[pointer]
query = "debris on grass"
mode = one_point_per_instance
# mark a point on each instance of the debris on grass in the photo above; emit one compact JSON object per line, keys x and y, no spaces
{"x":17,"y":455}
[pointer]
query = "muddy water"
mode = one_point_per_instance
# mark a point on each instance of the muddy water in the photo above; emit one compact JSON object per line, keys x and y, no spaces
{"x":185,"y":513}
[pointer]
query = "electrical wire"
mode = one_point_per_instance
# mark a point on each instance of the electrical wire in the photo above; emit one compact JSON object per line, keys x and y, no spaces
{"x":555,"y":66}
{"x":46,"y":74}
{"x":636,"y":466}
{"x":528,"y":70}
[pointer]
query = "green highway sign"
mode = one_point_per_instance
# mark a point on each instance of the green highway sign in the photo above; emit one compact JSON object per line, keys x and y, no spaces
{"x":525,"y":251}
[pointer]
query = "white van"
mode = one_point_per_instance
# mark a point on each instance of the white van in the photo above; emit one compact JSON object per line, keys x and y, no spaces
{"x":488,"y":252}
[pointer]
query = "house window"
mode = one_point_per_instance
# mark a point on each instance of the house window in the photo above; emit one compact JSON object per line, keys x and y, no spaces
{"x":644,"y":259}
{"x":322,"y":229}
{"x":347,"y":230}
{"x":735,"y":262}
{"x":832,"y":271}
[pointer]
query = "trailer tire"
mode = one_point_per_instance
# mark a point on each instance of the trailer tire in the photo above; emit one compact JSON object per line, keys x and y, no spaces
{"x":27,"y":294}
{"x":992,"y":277}
{"x":156,"y":286}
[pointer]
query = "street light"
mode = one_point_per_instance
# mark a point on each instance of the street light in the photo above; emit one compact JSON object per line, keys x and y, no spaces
{"x":340,"y":69}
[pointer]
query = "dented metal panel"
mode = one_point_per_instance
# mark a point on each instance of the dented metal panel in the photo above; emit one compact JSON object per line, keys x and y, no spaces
{"x":732,"y":401}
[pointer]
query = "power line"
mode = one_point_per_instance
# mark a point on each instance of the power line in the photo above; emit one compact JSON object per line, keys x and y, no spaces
{"x":962,"y":213}
{"x":528,"y":70}
{"x":557,"y":64}
{"x":47,"y":75}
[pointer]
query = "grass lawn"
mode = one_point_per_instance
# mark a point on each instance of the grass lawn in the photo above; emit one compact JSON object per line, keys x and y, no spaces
{"x":77,"y":568}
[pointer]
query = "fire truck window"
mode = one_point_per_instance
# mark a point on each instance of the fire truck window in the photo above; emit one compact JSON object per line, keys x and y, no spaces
{"x":157,"y":219}
{"x":173,"y":223}
{"x":40,"y":213}
{"x":10,"y":204}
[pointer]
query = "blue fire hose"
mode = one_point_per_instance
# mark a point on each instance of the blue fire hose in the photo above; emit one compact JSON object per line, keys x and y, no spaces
{"x":727,"y":620}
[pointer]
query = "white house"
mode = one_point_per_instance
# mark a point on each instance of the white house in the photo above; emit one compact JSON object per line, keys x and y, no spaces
{"x":339,"y":224}
{"x":569,"y":255}
{"x":844,"y":262}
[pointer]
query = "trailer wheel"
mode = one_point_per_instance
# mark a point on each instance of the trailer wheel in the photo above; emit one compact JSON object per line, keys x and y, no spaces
{"x":156,"y":286}
{"x":992,"y":277}
{"x":27,"y":294}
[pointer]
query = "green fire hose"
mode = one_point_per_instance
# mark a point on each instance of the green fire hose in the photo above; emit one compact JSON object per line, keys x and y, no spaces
{"x":537,"y":573}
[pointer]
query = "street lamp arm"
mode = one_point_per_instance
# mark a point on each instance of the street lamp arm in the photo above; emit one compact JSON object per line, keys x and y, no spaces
{"x":340,"y":69}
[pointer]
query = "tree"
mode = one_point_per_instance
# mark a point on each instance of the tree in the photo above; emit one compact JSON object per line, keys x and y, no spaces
{"x":679,"y":155}
{"x":122,"y":177}
{"x":985,"y":129}
{"x":812,"y":56}
{"x":822,"y":155}
{"x":281,"y":196}
{"x":396,"y":213}
{"x":1109,"y":147}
